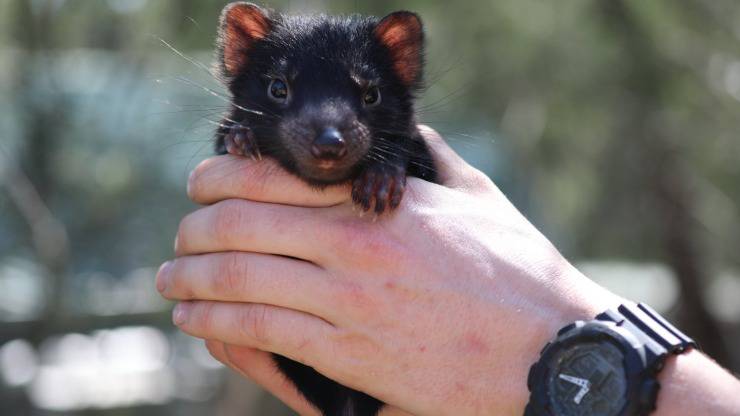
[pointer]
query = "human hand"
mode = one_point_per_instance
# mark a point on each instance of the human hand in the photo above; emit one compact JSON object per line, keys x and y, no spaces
{"x":439,"y":308}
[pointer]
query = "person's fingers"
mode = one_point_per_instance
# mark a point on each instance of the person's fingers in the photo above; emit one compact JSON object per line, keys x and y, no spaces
{"x":259,"y":366}
{"x":296,"y":335}
{"x":247,"y":277}
{"x":447,"y":163}
{"x":452,"y":170}
{"x":241,"y":225}
{"x":227,"y":177}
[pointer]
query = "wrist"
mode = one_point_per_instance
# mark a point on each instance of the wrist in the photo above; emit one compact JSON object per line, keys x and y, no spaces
{"x":670,"y":377}
{"x":576,"y":298}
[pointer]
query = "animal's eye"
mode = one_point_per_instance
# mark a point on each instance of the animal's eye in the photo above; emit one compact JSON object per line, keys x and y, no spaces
{"x":278,"y":90}
{"x":371,"y":96}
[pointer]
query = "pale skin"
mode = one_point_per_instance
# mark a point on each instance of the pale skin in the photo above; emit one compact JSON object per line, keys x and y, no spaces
{"x":439,"y":308}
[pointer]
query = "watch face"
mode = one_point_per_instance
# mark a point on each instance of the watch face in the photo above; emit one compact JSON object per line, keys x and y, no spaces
{"x":587,"y":379}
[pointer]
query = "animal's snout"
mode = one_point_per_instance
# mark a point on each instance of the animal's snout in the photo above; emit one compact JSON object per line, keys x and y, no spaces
{"x":329,"y":144}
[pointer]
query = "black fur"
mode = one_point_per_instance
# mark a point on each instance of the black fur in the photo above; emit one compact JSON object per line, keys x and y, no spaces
{"x":327,"y":62}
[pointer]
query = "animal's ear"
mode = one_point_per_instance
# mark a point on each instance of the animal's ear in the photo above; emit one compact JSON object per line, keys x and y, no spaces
{"x":403,"y":35}
{"x":241,"y":26}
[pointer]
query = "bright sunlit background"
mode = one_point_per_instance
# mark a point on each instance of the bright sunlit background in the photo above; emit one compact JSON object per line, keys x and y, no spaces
{"x":612,"y":124}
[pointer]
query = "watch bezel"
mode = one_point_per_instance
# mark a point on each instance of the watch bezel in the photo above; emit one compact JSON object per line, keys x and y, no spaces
{"x":633,"y":360}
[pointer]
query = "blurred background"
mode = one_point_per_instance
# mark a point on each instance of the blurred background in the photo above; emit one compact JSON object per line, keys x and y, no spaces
{"x":612,"y":124}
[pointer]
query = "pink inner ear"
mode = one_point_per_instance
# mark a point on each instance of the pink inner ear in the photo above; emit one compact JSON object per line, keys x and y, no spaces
{"x":243,"y":25}
{"x":401,"y":34}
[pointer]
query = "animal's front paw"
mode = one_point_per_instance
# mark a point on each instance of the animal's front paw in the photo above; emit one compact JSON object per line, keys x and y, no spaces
{"x":240,"y":141}
{"x":381,"y":184}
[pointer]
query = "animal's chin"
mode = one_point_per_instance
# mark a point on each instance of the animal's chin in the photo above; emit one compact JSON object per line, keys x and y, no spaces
{"x":326,"y":172}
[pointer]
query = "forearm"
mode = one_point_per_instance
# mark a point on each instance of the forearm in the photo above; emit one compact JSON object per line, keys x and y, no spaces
{"x":693,"y":384}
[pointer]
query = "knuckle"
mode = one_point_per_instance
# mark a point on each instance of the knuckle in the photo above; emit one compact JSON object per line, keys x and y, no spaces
{"x":479,"y":181}
{"x":232,"y":272}
{"x":354,"y":296}
{"x":254,"y":323}
{"x":179,"y":282}
{"x":345,"y":232}
{"x":259,"y":183}
{"x":355,"y":351}
{"x":228,"y":216}
{"x":203,"y":316}
{"x":274,"y":219}
{"x":302,"y":349}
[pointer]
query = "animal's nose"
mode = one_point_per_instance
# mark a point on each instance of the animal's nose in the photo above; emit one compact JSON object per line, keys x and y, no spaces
{"x":329,"y":145}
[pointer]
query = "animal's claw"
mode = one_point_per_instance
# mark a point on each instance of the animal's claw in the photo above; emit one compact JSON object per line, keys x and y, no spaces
{"x":379,"y":187}
{"x":240,"y":141}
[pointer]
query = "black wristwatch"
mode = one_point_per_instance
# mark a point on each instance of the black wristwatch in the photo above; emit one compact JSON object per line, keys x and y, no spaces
{"x":604,"y":367}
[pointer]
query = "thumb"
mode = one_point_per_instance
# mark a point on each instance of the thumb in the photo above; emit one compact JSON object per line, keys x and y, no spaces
{"x":452,"y":170}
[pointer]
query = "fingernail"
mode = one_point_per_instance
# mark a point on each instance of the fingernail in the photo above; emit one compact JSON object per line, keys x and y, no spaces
{"x":180,"y":313}
{"x":177,"y":237}
{"x":163,"y":276}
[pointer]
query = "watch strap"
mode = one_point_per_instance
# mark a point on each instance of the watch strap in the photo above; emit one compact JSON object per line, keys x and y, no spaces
{"x":659,"y":337}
